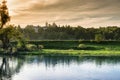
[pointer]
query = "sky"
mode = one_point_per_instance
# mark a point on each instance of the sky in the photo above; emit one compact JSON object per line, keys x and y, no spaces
{"x":86,"y":13}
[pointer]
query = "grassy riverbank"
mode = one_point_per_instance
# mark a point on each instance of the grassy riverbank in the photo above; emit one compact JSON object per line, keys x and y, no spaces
{"x":56,"y":52}
{"x":76,"y":48}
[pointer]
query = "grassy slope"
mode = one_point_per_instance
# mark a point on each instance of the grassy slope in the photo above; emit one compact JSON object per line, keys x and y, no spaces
{"x":105,"y":48}
{"x":57,"y":52}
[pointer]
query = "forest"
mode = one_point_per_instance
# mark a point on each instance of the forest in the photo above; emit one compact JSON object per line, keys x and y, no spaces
{"x":67,"y":32}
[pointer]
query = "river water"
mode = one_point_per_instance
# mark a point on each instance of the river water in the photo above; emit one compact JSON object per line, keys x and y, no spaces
{"x":59,"y":68}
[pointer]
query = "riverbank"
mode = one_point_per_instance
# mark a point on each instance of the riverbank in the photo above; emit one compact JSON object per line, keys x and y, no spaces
{"x":74,"y":48}
{"x":55,"y":52}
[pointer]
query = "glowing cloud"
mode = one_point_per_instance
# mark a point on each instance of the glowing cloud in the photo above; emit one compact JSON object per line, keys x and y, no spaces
{"x":87,"y":13}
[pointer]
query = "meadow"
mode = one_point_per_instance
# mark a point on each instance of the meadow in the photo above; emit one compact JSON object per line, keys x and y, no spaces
{"x":75,"y":48}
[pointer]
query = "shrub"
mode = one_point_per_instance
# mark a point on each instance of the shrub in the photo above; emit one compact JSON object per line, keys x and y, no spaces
{"x":41,"y":46}
{"x":86,"y":47}
{"x":21,"y":45}
{"x":82,"y":46}
{"x":31,"y":47}
{"x":99,"y":38}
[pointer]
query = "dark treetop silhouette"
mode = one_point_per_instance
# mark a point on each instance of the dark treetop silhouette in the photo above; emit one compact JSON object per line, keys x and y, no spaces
{"x":4,"y":14}
{"x":7,"y":32}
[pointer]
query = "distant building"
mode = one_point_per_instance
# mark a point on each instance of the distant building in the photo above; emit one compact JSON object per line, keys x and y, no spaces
{"x":36,"y":28}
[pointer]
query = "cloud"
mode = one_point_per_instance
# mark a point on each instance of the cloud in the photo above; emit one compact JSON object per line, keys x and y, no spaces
{"x":77,"y":12}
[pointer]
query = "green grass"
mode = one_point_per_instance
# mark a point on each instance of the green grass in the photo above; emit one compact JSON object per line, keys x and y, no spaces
{"x":56,"y":52}
{"x":73,"y":52}
{"x":83,"y":52}
{"x":76,"y":48}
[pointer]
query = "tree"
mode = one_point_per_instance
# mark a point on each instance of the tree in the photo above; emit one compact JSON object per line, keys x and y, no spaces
{"x":99,"y":37}
{"x":7,"y":32}
{"x":4,"y":14}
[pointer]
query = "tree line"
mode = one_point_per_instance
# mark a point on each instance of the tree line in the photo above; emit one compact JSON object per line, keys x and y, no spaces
{"x":67,"y":32}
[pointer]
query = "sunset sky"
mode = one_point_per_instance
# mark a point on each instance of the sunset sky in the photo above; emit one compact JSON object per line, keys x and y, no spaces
{"x":87,"y":13}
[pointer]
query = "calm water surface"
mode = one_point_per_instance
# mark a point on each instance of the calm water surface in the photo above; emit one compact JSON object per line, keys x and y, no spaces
{"x":59,"y":68}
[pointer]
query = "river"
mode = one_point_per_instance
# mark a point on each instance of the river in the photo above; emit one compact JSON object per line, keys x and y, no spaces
{"x":59,"y":68}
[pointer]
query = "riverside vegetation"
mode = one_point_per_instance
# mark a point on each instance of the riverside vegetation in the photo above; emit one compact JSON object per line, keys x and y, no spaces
{"x":57,"y":40}
{"x":75,"y":48}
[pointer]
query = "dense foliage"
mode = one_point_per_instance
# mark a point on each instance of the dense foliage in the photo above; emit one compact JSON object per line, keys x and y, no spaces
{"x":55,"y":32}
{"x":8,"y":33}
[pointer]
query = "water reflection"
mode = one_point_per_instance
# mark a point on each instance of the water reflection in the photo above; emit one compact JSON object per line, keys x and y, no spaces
{"x":11,"y":66}
{"x":67,"y":60}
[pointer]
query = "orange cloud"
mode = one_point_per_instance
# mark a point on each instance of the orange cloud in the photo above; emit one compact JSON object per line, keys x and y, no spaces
{"x":78,"y":12}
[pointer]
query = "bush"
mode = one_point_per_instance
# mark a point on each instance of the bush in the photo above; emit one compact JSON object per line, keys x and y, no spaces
{"x":87,"y":47}
{"x":99,"y":38}
{"x":82,"y":46}
{"x":31,"y":47}
{"x":21,"y":45}
{"x":41,"y":46}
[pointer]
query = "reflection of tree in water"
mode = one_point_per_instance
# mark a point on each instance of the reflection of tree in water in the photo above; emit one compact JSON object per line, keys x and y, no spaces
{"x":68,"y":60}
{"x":101,"y":60}
{"x":7,"y":70}
{"x":52,"y":60}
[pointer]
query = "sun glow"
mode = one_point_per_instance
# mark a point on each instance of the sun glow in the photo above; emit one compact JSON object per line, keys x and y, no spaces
{"x":10,"y":7}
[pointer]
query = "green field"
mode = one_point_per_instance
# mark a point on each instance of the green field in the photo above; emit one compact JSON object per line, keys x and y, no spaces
{"x":76,"y":48}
